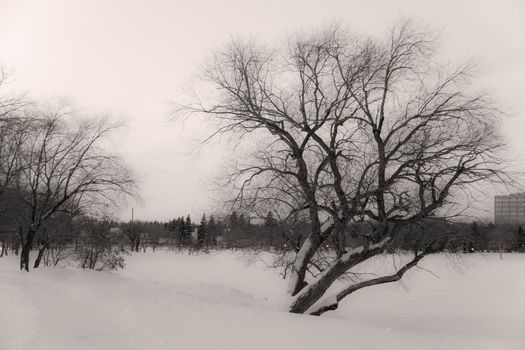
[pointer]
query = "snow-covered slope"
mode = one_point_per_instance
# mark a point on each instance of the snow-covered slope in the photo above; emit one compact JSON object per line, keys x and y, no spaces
{"x":166,"y":300}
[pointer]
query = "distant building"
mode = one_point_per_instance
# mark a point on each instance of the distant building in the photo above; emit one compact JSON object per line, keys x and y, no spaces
{"x":510,"y":209}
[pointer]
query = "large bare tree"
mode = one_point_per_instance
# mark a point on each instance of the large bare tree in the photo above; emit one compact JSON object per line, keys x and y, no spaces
{"x":65,"y":167}
{"x":350,"y":130}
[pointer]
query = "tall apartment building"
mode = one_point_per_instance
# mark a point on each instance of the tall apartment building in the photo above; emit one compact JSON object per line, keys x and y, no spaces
{"x":509,"y":209}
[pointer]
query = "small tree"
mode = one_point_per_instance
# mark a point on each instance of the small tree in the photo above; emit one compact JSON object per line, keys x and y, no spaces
{"x":100,"y":248}
{"x":64,"y":168}
{"x":202,"y":232}
{"x":213,"y":231}
{"x":187,"y":229}
{"x":271,"y":230}
{"x":133,"y":231}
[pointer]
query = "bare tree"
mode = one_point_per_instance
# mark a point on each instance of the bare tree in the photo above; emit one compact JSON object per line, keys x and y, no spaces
{"x":351,"y":130}
{"x":101,"y":245}
{"x":13,"y":132}
{"x":10,"y":102}
{"x":65,"y":168}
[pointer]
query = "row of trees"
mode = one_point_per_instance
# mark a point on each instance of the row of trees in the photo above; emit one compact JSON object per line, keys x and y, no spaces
{"x":270,"y":234}
{"x":92,"y":241}
{"x":490,"y":237}
{"x":235,"y":230}
{"x":97,"y":244}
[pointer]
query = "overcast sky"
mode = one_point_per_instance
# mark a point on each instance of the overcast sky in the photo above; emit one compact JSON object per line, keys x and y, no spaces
{"x":130,"y":58}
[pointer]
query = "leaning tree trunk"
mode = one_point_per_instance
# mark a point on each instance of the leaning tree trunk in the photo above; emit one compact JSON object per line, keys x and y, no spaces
{"x":41,"y":251}
{"x":298,"y":273}
{"x":315,"y":291}
{"x":26,"y":248}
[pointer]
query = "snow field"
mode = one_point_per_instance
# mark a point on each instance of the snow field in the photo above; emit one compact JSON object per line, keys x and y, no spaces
{"x":230,"y":300}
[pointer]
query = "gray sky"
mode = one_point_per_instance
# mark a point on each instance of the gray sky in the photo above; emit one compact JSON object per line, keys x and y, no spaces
{"x":129,"y":58}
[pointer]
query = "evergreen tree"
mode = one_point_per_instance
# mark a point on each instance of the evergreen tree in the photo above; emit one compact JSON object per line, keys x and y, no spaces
{"x":201,"y":231}
{"x":181,"y":231}
{"x":188,"y":227}
{"x":270,"y":230}
{"x":212,"y":232}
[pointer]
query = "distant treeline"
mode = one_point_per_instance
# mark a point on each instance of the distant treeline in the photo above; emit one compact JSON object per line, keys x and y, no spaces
{"x":99,"y":244}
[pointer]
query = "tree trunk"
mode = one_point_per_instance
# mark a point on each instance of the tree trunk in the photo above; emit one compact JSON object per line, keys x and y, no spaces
{"x":24,"y":258}
{"x":307,"y":299}
{"x":26,"y":248}
{"x":18,"y":240}
{"x":41,"y":251}
{"x":313,"y":292}
{"x":298,"y":274}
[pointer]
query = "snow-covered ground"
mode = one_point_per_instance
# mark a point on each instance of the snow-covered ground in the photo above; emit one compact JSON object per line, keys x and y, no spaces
{"x":166,"y":300}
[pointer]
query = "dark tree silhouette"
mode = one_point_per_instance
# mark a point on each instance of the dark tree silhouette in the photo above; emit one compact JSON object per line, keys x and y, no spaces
{"x":351,"y":129}
{"x":64,"y":168}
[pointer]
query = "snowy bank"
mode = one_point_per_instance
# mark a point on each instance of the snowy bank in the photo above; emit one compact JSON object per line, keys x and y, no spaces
{"x":166,"y":300}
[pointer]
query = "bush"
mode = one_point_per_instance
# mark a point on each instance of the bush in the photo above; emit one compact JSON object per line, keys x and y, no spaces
{"x":100,"y":247}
